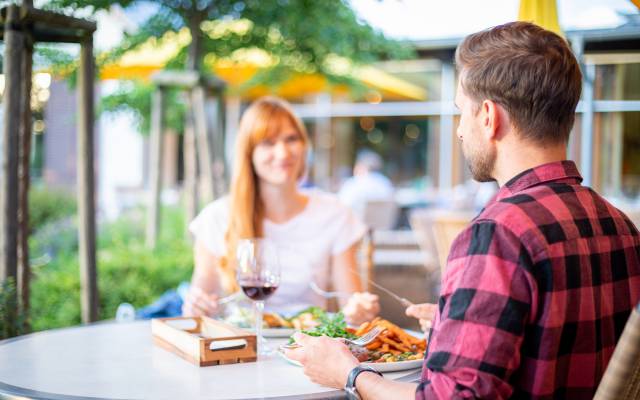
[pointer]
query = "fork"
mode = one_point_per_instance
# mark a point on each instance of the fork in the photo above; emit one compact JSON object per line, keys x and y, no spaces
{"x":326,"y":294}
{"x":361,"y":341}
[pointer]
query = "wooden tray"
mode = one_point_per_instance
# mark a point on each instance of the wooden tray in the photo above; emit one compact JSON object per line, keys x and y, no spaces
{"x":204,"y":341}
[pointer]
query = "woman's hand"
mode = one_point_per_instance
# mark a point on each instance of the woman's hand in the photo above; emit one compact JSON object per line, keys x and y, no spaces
{"x":197,"y":303}
{"x":361,"y":307}
{"x":324,"y":360}
{"x":425,"y":313}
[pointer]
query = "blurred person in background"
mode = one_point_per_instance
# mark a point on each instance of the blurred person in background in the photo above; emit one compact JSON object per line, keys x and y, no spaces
{"x":367,"y":183}
{"x":265,"y":201}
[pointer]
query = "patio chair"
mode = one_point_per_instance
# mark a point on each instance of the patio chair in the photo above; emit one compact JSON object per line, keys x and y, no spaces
{"x":436,"y":229}
{"x":377,"y":215}
{"x":380,"y":214}
{"x":621,"y":380}
{"x":447,"y":225}
{"x":421,"y":221}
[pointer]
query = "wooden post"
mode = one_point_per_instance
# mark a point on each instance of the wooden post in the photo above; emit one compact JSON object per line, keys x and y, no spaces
{"x":190,"y":166}
{"x":231,"y":119}
{"x":24,"y":177}
{"x":13,"y":41}
{"x":217,"y":125}
{"x":86,"y":183}
{"x":203,"y":138}
{"x":155,"y":167}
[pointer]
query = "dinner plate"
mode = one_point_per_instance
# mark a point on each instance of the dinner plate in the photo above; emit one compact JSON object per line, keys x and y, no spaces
{"x":380,"y":367}
{"x":277,"y":332}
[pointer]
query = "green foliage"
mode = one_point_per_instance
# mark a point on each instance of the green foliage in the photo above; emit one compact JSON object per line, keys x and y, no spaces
{"x":12,"y":322}
{"x":127,"y":271}
{"x":135,"y":98}
{"x":303,"y":36}
{"x":47,"y":205}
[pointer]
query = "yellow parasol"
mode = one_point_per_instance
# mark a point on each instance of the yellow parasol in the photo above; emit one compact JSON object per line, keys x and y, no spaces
{"x":244,"y":64}
{"x":540,"y":12}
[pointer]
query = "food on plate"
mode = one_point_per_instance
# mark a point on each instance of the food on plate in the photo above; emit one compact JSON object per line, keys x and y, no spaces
{"x":306,"y":319}
{"x":393,"y":344}
{"x":273,"y":320}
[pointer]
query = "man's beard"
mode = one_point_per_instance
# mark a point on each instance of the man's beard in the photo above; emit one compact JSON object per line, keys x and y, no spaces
{"x":481,"y":163}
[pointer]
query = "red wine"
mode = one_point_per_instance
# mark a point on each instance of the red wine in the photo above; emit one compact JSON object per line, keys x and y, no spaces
{"x":258,"y":290}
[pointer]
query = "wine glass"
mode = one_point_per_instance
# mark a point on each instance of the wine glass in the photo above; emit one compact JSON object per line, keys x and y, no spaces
{"x":258,"y":274}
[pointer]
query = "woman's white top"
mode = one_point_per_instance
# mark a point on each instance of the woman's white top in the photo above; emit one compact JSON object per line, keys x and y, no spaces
{"x":323,"y":229}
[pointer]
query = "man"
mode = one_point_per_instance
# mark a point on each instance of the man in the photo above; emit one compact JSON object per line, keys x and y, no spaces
{"x":539,"y":286}
{"x":367,"y":182}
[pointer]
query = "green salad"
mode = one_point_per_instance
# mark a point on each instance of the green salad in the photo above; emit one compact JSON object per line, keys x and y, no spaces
{"x":331,"y":325}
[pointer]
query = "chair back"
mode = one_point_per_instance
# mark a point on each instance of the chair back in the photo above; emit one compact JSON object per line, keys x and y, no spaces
{"x":447,"y":225}
{"x":365,"y":260}
{"x":421,"y":221}
{"x":380,"y":214}
{"x":621,"y":380}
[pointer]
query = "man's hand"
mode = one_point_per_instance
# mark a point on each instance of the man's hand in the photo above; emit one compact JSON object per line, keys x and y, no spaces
{"x":425,"y":313}
{"x":361,"y":307}
{"x":324,"y":360}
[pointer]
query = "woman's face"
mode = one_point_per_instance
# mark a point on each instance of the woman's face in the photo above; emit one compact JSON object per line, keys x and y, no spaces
{"x":278,"y":159}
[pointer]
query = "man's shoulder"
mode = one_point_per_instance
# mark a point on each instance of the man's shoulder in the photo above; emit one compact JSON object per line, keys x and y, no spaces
{"x":558,"y":212}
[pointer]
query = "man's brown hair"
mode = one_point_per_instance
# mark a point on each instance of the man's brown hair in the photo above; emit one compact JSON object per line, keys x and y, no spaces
{"x":528,"y":70}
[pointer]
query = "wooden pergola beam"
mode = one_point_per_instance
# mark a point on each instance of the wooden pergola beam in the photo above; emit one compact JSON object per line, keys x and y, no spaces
{"x":11,"y":109}
{"x":28,"y":14}
{"x":155,"y":170}
{"x":198,"y":143}
{"x":186,"y":80}
{"x":21,"y":27}
{"x":24,"y":175}
{"x":86,"y":183}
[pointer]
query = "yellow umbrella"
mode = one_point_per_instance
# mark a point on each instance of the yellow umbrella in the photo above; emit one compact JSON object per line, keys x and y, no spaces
{"x":540,"y":12}
{"x":244,"y":64}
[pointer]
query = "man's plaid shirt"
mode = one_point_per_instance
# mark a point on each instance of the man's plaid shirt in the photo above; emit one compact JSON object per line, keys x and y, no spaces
{"x":536,"y":293}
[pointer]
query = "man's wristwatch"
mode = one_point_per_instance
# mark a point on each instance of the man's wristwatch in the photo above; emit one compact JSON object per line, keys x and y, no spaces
{"x":350,"y":387}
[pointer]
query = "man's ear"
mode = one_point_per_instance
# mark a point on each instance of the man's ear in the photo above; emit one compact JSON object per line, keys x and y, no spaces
{"x":490,"y":119}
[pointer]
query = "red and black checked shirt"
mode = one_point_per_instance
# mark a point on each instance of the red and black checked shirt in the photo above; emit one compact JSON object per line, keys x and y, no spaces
{"x":536,"y":294}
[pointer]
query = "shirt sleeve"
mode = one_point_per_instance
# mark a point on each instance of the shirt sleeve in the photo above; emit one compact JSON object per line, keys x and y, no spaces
{"x":483,"y":310}
{"x":210,"y":226}
{"x":350,"y":230}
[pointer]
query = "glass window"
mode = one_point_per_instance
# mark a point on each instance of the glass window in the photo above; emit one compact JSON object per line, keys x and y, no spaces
{"x":617,"y":153}
{"x":617,"y":82}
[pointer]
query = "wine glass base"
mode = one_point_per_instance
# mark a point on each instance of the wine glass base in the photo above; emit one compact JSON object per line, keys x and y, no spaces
{"x":264,"y":349}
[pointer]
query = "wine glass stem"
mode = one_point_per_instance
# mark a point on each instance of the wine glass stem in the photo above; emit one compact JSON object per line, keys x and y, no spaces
{"x":259,"y":311}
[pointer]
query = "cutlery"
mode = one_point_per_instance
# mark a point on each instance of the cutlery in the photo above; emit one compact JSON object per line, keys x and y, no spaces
{"x":402,"y":300}
{"x":230,"y":298}
{"x":326,"y":294}
{"x":329,"y":295}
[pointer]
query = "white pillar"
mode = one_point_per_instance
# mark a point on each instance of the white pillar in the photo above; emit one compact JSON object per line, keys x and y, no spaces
{"x":445,"y":167}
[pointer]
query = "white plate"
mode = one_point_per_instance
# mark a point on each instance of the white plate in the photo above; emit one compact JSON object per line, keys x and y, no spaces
{"x":277,"y":332}
{"x":380,"y":367}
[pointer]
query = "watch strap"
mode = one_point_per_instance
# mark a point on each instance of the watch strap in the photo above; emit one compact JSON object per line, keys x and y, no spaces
{"x":350,"y":387}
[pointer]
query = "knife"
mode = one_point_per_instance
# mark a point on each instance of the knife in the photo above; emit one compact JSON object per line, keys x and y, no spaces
{"x":402,"y":300}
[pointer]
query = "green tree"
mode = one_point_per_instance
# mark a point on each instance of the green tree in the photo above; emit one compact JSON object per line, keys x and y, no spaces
{"x":303,"y":35}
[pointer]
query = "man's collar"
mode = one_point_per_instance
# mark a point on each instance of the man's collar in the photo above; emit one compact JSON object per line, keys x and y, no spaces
{"x":555,"y":171}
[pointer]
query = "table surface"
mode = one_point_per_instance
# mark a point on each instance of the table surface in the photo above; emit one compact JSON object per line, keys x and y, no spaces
{"x":119,"y":361}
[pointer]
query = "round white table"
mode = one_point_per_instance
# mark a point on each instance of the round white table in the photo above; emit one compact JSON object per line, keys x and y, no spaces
{"x":119,"y":361}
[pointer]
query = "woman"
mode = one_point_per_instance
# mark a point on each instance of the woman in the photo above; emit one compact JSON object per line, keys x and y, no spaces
{"x":320,"y":235}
